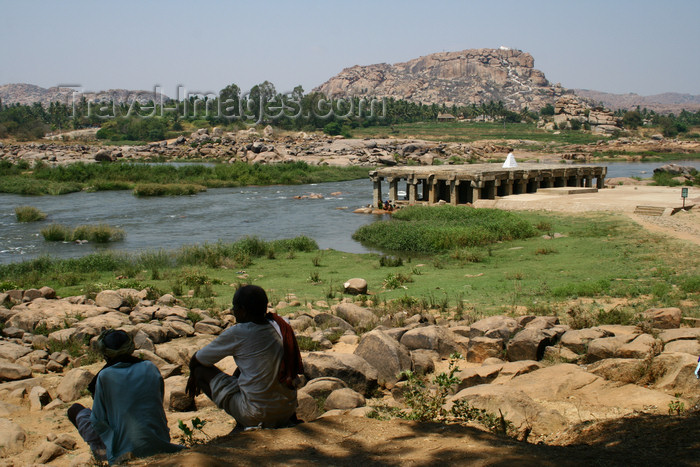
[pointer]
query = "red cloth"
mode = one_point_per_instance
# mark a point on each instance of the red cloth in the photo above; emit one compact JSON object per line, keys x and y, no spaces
{"x":291,"y":365}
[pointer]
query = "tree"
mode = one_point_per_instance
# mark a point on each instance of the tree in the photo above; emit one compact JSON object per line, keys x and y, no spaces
{"x":632,"y":119}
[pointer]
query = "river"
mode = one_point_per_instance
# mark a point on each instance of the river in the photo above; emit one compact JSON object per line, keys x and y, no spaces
{"x":225,"y":214}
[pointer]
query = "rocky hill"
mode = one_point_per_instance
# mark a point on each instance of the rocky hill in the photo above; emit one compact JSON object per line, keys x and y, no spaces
{"x":468,"y":77}
{"x":27,"y":94}
{"x":661,"y":103}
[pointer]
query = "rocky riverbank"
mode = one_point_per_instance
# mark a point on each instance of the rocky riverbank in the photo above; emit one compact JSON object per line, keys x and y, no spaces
{"x":546,"y":377}
{"x":266,"y":147}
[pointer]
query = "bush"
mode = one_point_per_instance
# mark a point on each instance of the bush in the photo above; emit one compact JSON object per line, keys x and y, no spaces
{"x":432,"y":229}
{"x":171,"y":189}
{"x":28,"y":214}
{"x":56,"y":233}
{"x":101,"y":233}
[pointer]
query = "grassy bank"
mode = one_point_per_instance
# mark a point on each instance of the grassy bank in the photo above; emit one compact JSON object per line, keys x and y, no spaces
{"x":426,"y":229}
{"x":600,"y":262}
{"x":39,"y":180}
{"x":468,"y":132}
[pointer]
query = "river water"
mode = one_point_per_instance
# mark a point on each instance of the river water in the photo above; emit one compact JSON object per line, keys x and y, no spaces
{"x":226,"y":214}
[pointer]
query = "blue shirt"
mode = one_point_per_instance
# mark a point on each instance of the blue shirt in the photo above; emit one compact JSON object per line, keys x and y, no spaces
{"x":128,"y":412}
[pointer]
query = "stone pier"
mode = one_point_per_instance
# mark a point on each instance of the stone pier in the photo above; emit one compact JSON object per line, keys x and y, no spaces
{"x":463,"y":184}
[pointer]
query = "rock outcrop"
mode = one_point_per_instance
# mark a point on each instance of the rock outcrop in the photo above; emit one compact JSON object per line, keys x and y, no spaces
{"x":462,"y":78}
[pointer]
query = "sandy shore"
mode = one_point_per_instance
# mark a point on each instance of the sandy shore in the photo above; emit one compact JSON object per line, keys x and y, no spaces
{"x":623,"y":199}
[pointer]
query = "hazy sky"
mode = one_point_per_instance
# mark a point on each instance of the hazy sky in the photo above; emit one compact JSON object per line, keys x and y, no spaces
{"x":640,"y":46}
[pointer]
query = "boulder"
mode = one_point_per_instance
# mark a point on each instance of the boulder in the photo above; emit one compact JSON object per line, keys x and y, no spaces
{"x":109,"y":299}
{"x":355,"y":286}
{"x":675,"y":373}
{"x":517,"y":407}
{"x":571,"y":385}
{"x":494,"y":327}
{"x":11,"y":351}
{"x":319,"y":388}
{"x":484,"y":374}
{"x":433,"y":337}
{"x":164,"y":312}
{"x":12,"y":371}
{"x":577,"y":340}
{"x":385,"y":354}
{"x":640,"y":347}
{"x":12,"y":436}
{"x":529,"y":344}
{"x":607,"y":347}
{"x":307,"y":407}
{"x":73,"y":384}
{"x":352,"y":369}
{"x":344,"y":399}
{"x":691,"y":347}
{"x":167,"y":300}
{"x":47,"y":452}
{"x":38,"y":398}
{"x":542,"y":322}
{"x":355,"y":315}
{"x":48,"y":293}
{"x":671,"y":335}
{"x":423,"y":361}
{"x":481,"y":348}
{"x":559,"y":354}
{"x":31,"y":294}
{"x":327,"y":320}
{"x":623,"y":370}
{"x":207,"y":328}
{"x":664,"y":318}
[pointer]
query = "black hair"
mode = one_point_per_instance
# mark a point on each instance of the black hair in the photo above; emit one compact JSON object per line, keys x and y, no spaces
{"x":251,"y":298}
{"x":114,"y":339}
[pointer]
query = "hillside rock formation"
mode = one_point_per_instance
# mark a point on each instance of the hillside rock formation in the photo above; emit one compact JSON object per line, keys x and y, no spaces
{"x":27,"y":94}
{"x":468,"y":77}
{"x":571,"y":112}
{"x":662,"y":103}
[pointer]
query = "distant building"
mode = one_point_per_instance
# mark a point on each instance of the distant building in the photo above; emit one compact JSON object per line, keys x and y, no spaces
{"x":446,"y":118}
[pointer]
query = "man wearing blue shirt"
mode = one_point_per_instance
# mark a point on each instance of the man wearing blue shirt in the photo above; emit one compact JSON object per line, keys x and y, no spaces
{"x":127,"y":417}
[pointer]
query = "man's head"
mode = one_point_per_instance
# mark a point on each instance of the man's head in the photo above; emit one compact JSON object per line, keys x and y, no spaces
{"x":250,"y":304}
{"x":114,"y":344}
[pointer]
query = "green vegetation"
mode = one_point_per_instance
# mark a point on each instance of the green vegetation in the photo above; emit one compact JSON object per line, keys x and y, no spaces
{"x":468,"y":132}
{"x":100,"y":233}
{"x":434,"y":229}
{"x":29,"y":214}
{"x":427,"y":403}
{"x":600,"y":261}
{"x":169,"y":189}
{"x":667,"y":179}
{"x":156,"y":180}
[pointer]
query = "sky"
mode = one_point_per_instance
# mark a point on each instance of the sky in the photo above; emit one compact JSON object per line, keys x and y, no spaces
{"x":619,"y":46}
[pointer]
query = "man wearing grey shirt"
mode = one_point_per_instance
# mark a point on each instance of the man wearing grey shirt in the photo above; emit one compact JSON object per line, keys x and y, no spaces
{"x":256,"y":394}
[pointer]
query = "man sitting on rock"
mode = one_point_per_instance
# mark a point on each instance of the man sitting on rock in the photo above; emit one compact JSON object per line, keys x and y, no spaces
{"x":127,"y":417}
{"x":262,"y":390}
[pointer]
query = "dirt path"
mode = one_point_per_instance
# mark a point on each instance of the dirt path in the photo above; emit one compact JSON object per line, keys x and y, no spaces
{"x":352,"y":441}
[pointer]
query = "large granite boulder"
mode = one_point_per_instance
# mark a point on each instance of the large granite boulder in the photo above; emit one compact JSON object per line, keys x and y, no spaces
{"x":352,"y":369}
{"x":385,"y":354}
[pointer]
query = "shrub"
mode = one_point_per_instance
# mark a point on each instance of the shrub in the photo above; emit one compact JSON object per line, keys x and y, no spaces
{"x":101,"y":233}
{"x":28,"y":214}
{"x":171,"y":189}
{"x":432,"y":229}
{"x":56,"y":233}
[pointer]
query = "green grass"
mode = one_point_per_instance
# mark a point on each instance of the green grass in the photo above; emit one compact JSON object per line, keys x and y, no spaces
{"x":100,"y":233}
{"x":602,"y":257}
{"x":467,"y":132}
{"x":29,"y":214}
{"x":157,"y":180}
{"x":430,"y":229}
{"x":167,"y":189}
